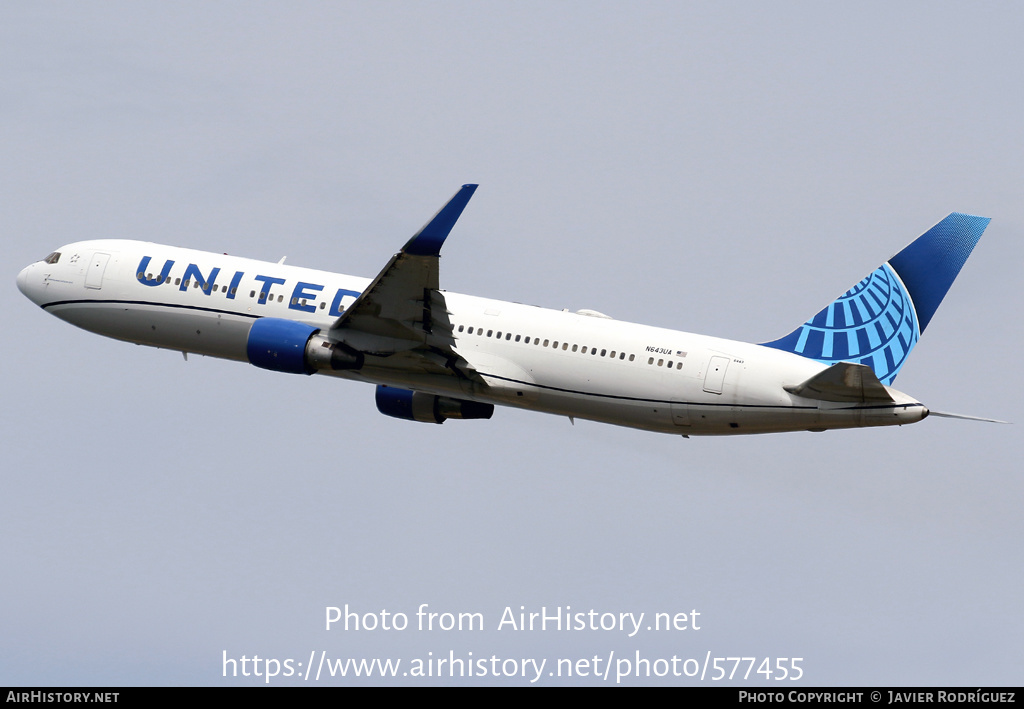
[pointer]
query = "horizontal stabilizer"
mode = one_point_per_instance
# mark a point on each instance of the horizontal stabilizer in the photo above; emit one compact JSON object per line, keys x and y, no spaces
{"x":844,"y":381}
{"x":946,"y":415}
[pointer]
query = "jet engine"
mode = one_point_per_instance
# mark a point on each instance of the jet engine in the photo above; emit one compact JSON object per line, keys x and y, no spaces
{"x":290,"y":346}
{"x":428,"y":408}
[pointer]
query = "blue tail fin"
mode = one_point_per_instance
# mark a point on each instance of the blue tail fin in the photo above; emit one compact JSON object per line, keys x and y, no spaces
{"x":879,"y":320}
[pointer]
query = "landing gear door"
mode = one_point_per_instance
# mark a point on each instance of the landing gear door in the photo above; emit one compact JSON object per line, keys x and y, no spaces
{"x":715,"y":377}
{"x":94,"y":276}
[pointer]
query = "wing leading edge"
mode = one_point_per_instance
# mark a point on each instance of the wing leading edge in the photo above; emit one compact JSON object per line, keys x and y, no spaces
{"x":402,"y":313}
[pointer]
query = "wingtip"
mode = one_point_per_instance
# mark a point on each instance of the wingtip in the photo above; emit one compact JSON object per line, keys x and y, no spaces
{"x":429,"y":239}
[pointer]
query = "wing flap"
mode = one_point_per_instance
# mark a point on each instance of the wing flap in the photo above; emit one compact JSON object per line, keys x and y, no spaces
{"x":397,"y":302}
{"x":402,"y":314}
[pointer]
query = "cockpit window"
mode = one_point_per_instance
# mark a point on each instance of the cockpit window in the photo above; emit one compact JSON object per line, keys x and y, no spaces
{"x":52,"y":258}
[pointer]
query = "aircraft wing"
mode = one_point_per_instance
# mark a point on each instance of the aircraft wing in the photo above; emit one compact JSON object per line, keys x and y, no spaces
{"x":402,"y":313}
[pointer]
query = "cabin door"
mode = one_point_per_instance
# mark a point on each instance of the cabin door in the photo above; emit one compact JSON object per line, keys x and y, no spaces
{"x":94,"y":276}
{"x":715,"y":377}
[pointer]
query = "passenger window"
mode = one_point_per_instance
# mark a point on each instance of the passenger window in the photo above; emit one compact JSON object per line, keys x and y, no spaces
{"x":470,"y":329}
{"x":517,"y":338}
{"x":650,"y":361}
{"x":461,"y":327}
{"x":526,"y":340}
{"x":575,"y":347}
{"x":565,"y":346}
{"x":679,"y":365}
{"x":602,"y":352}
{"x":632,"y":357}
{"x":584,"y":349}
{"x":490,"y":332}
{"x":661,"y":363}
{"x":508,"y":335}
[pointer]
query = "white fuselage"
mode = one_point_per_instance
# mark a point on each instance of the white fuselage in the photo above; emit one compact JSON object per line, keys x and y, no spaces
{"x":558,"y":362}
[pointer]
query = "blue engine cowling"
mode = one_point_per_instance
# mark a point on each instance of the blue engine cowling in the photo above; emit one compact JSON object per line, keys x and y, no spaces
{"x":428,"y":408}
{"x":297,"y":348}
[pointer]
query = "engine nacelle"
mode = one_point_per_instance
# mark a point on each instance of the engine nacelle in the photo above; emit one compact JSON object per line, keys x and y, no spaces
{"x":297,"y":348}
{"x":428,"y":408}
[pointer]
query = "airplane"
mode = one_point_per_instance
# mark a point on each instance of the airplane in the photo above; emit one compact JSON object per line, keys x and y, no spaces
{"x":435,"y":355}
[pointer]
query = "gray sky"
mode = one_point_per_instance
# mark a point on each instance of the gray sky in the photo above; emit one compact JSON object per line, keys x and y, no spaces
{"x":723,"y":168}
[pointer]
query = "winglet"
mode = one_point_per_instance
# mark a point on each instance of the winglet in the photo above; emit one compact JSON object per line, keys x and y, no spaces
{"x":428,"y":240}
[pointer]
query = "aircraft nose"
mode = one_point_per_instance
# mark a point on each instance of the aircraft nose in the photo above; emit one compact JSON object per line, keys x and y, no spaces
{"x":28,"y":283}
{"x":23,"y":279}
